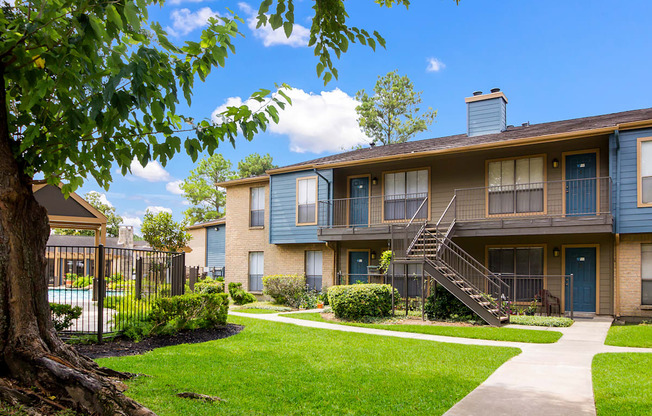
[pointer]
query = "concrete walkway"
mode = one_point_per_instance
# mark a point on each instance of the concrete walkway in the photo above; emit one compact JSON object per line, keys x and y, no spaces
{"x":545,"y":379}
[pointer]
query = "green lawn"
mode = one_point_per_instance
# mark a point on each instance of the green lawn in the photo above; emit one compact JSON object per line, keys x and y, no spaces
{"x":630,"y":336}
{"x":254,"y":310}
{"x":273,"y":368}
{"x":476,"y":332}
{"x":622,"y":384}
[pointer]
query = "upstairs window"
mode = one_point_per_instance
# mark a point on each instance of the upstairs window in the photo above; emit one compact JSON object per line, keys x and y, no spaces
{"x":645,"y":171}
{"x":307,"y":201}
{"x":257,"y":207}
{"x":314,"y":270}
{"x":515,"y":185}
{"x":405,"y":192}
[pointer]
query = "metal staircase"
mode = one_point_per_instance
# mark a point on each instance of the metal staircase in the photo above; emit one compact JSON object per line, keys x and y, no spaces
{"x":453,"y":268}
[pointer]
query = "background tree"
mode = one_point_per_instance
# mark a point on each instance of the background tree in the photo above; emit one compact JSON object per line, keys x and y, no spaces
{"x":392,"y":114}
{"x":84,"y":85}
{"x":254,"y":165}
{"x":113,"y":220}
{"x":199,"y":188}
{"x":163,"y":233}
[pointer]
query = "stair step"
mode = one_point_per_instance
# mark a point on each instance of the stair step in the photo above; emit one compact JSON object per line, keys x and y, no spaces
{"x":504,"y":318}
{"x":476,"y":296}
{"x":484,"y":303}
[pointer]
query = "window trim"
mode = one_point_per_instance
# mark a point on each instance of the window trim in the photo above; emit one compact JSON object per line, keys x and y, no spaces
{"x":598,"y":209}
{"x":517,"y":214}
{"x":257,"y":227}
{"x":544,"y":246}
{"x":382,"y":190}
{"x":296,"y":201}
{"x":639,"y":179}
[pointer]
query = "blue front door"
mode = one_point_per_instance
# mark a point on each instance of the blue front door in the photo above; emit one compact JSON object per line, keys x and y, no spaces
{"x":358,"y":262}
{"x":581,"y":263}
{"x":359,"y":205}
{"x":581,"y":184}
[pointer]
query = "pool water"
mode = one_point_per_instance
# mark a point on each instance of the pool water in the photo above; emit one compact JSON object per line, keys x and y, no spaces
{"x":75,"y":295}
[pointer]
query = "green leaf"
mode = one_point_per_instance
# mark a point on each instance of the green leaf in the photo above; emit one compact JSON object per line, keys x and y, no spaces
{"x":131,"y":13}
{"x":114,"y":16}
{"x":287,"y":27}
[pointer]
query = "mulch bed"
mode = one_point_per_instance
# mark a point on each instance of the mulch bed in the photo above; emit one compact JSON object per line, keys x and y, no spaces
{"x":123,"y":346}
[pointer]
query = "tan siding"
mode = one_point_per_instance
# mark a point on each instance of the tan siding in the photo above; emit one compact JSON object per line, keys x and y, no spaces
{"x":197,"y":257}
{"x":629,"y":275}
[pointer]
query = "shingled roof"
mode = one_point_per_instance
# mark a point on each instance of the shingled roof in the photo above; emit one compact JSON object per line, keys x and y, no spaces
{"x":461,"y":141}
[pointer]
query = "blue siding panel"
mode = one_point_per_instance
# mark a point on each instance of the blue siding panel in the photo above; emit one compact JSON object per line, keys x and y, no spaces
{"x":486,"y":117}
{"x":283,"y":202}
{"x":629,"y":217}
{"x":215,"y":245}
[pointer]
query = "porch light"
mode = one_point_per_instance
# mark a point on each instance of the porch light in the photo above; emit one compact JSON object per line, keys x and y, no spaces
{"x":555,"y":252}
{"x":555,"y":163}
{"x":373,"y":255}
{"x":374,"y":181}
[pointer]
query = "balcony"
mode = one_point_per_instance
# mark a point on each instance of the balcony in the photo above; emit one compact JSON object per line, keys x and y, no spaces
{"x":579,"y":206}
{"x":369,"y":217}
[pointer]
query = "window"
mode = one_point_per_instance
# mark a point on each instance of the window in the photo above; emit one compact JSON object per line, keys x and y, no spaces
{"x":307,"y":201}
{"x":256,"y":262}
{"x":645,"y":171}
{"x":515,"y":185}
{"x":314,"y":269}
{"x":404,"y":194}
{"x":257,"y":207}
{"x":521,"y":268}
{"x":646,"y":274}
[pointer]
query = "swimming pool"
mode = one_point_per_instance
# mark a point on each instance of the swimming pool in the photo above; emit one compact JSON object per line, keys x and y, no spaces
{"x":75,"y":295}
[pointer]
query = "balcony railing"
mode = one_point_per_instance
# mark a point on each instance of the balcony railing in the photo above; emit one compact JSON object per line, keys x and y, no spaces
{"x":566,"y":198}
{"x":372,"y":210}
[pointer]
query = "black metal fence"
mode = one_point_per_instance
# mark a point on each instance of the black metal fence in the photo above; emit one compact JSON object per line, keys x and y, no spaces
{"x":113,"y":286}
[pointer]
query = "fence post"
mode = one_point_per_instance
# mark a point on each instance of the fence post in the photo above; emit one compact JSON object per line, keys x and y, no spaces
{"x":139,"y":277}
{"x":100,"y":267}
{"x":192,"y":277}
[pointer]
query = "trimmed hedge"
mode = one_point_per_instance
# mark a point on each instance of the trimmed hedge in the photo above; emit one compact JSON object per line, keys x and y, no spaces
{"x":192,"y":309}
{"x":552,"y":321}
{"x":239,"y":295}
{"x":209,"y":285}
{"x":285,"y":289}
{"x":357,"y":301}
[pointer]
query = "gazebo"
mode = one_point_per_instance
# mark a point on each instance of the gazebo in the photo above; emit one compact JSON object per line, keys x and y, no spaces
{"x":72,"y":212}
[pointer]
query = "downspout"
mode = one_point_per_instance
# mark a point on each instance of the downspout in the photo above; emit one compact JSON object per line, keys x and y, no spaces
{"x":328,"y":192}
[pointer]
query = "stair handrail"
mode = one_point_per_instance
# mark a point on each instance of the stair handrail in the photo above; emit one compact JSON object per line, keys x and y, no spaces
{"x":443,"y":215}
{"x":425,"y":199}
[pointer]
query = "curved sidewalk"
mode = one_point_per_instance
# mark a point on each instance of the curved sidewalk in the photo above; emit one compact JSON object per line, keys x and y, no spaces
{"x":544,"y":380}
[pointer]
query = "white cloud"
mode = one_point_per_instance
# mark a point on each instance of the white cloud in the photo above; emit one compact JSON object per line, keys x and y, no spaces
{"x":434,"y":65}
{"x":178,"y":2}
{"x":299,"y":37}
{"x":184,"y":21}
{"x":174,"y":187}
{"x":135,"y":222}
{"x":155,"y":209}
{"x":324,"y":122}
{"x":104,"y":200}
{"x":153,"y":172}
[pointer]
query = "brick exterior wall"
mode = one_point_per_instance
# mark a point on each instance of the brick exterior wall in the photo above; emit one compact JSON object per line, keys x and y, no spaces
{"x":628,"y":269}
{"x":197,"y":257}
{"x":278,"y":258}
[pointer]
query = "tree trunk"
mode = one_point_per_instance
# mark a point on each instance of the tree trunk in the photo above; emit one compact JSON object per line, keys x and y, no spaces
{"x":34,"y":362}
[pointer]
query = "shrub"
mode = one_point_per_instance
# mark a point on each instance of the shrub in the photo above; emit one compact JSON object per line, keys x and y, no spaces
{"x":189,"y":311}
{"x":361,"y":300}
{"x":209,"y":285}
{"x":239,"y":296}
{"x":63,"y":315}
{"x":115,"y":277}
{"x":82,"y":281}
{"x":441,"y":304}
{"x":285,"y":289}
{"x":553,"y":321}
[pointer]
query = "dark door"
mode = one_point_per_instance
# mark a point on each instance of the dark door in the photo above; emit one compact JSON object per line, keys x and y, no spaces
{"x":359,"y":205}
{"x":581,"y":263}
{"x":358,"y":262}
{"x":581,"y":184}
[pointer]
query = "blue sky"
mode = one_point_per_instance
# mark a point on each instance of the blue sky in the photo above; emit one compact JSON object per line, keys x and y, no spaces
{"x":554,"y":60}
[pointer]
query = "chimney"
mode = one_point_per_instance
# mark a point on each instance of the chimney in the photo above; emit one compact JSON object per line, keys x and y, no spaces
{"x":486,"y":113}
{"x":126,"y":236}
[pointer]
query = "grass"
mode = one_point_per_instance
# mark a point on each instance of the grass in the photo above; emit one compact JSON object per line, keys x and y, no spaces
{"x":622,"y":384}
{"x":255,"y":310}
{"x":550,"y":321}
{"x":272,"y":307}
{"x":630,"y":336}
{"x":476,"y":332}
{"x":272,"y":368}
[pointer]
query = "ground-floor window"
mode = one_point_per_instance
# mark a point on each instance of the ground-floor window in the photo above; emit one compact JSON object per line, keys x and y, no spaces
{"x":256,"y":262}
{"x":646,"y":274}
{"x":314,"y":270}
{"x":521,"y":268}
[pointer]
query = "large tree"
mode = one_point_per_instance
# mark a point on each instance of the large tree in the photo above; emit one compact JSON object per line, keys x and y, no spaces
{"x":392,"y":113}
{"x":113,"y":220}
{"x":255,"y":164}
{"x":86,"y":85}
{"x":201,"y":191}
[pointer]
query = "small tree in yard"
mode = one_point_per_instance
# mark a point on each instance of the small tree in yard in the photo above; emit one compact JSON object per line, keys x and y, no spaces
{"x":163,"y":233}
{"x":85,"y":85}
{"x":201,"y":191}
{"x":254,"y":165}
